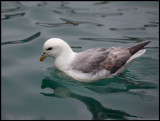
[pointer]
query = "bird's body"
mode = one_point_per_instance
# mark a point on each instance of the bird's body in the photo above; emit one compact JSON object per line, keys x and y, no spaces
{"x":92,"y":64}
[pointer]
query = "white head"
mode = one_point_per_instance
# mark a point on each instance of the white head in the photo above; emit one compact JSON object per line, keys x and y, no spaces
{"x":55,"y":47}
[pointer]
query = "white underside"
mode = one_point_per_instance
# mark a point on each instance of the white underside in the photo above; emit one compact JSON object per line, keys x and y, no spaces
{"x":88,"y":77}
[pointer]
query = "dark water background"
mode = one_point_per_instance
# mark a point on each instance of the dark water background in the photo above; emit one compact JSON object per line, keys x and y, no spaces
{"x":35,"y":90}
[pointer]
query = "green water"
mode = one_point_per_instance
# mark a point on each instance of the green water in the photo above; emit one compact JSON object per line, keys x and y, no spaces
{"x":35,"y":90}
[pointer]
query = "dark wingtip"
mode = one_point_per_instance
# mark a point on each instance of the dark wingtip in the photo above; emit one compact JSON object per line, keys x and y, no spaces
{"x":138,"y":47}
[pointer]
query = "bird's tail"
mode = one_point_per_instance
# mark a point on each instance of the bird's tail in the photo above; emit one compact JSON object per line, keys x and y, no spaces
{"x":138,"y":47}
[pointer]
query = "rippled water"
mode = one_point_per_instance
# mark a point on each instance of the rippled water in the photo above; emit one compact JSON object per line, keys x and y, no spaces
{"x":35,"y":90}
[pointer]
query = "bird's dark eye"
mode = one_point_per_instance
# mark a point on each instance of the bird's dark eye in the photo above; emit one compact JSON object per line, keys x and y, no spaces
{"x":50,"y":48}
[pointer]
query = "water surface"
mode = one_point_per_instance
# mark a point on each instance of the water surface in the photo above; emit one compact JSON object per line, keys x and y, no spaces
{"x":35,"y":90}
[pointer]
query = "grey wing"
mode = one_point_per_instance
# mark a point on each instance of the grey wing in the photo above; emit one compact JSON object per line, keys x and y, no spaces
{"x":88,"y":61}
{"x":116,"y":59}
{"x":96,"y":59}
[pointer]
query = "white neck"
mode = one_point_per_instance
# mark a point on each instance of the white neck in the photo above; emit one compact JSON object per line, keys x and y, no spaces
{"x":63,"y":61}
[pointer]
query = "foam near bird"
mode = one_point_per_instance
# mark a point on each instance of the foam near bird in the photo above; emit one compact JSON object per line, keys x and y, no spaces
{"x":92,"y":64}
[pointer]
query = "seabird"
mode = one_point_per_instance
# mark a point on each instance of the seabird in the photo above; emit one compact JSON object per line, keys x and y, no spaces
{"x":92,"y":64}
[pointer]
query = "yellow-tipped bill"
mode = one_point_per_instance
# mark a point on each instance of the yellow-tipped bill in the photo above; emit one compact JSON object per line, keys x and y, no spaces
{"x":43,"y":56}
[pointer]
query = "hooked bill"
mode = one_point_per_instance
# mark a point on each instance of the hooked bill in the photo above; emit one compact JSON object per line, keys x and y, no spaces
{"x":43,"y":56}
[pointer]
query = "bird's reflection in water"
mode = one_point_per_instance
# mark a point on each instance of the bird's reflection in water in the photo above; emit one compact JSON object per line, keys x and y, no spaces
{"x":98,"y":111}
